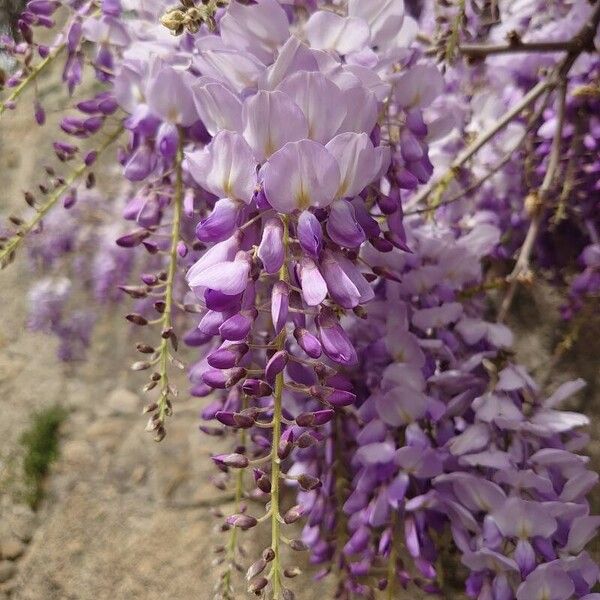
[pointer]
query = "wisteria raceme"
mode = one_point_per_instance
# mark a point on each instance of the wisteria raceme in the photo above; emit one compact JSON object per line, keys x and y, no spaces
{"x":315,"y":198}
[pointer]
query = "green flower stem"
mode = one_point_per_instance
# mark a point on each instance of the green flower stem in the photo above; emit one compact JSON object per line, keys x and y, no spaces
{"x":32,"y":76}
{"x":391,"y":570}
{"x":166,"y":320}
{"x":276,"y":569}
{"x":14,"y":242}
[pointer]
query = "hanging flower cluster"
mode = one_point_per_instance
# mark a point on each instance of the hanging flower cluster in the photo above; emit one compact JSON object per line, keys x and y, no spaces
{"x":284,"y":209}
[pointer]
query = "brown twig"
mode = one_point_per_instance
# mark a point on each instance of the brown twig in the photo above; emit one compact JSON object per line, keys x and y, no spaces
{"x":583,"y":38}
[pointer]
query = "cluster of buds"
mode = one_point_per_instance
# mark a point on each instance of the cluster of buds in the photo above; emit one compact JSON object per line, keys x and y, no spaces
{"x":189,"y":17}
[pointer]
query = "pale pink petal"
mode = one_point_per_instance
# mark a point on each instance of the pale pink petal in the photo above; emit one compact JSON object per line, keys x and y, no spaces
{"x":257,"y":28}
{"x":321,"y":101}
{"x":357,"y":160}
{"x":271,"y":120}
{"x":300,"y":175}
{"x":383,"y":16}
{"x":226,"y":167}
{"x":218,"y":107}
{"x":327,"y":31}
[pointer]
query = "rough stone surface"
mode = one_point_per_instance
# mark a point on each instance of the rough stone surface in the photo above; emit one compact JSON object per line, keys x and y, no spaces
{"x":7,"y":570}
{"x":11,"y":549}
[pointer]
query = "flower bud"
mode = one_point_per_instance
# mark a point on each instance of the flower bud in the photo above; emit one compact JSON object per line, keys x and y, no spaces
{"x":242,"y":521}
{"x":236,"y":328}
{"x":315,"y":419}
{"x":308,"y":342}
{"x":310,"y":234}
{"x":280,"y":301}
{"x":298,"y":545}
{"x":257,"y":585}
{"x":286,"y":443}
{"x":257,"y":388}
{"x":268,"y":554}
{"x":256,"y":569}
{"x":271,"y":250}
{"x":235,"y":461}
{"x":236,"y":420}
{"x":293,"y":514}
{"x":276,"y":365}
{"x":308,"y":482}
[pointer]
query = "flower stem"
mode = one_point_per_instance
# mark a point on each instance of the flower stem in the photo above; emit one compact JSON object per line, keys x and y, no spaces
{"x":167,"y":318}
{"x":32,"y":76}
{"x":276,"y":569}
{"x":13,"y":243}
{"x":391,"y":570}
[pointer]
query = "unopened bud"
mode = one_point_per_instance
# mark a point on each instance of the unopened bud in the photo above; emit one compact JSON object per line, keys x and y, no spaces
{"x":308,"y":482}
{"x":236,"y":461}
{"x":256,"y":569}
{"x":268,"y":554}
{"x":293,"y":514}
{"x":257,"y":585}
{"x":298,"y":545}
{"x":244,"y":522}
{"x":137,"y":319}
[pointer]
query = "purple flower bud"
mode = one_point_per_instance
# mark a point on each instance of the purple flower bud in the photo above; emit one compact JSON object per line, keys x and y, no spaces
{"x":271,"y":250}
{"x":135,"y":238}
{"x":182,"y":249}
{"x":108,"y":105}
{"x":315,"y":419}
{"x":308,"y":342}
{"x":286,"y":443}
{"x":280,"y":299}
{"x":339,"y":398}
{"x":236,"y":328}
{"x":257,"y":388}
{"x":276,"y":365}
{"x":89,"y":107}
{"x":228,"y":357}
{"x":336,"y":344}
{"x":406,"y":180}
{"x":64,"y":150}
{"x":140,"y":164}
{"x":410,"y":147}
{"x":90,"y":158}
{"x":414,"y":121}
{"x":310,"y":234}
{"x":308,"y":439}
{"x":236,"y":420}
{"x":342,"y":226}
{"x":111,"y":7}
{"x":293,"y":514}
{"x":308,"y":482}
{"x":358,"y":542}
{"x":40,"y":113}
{"x":242,"y":521}
{"x":70,"y":198}
{"x":93,"y":124}
{"x":314,"y":288}
{"x":262,"y":480}
{"x":42,"y":7}
{"x":223,"y":379}
{"x":235,"y":461}
{"x":221,"y":223}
